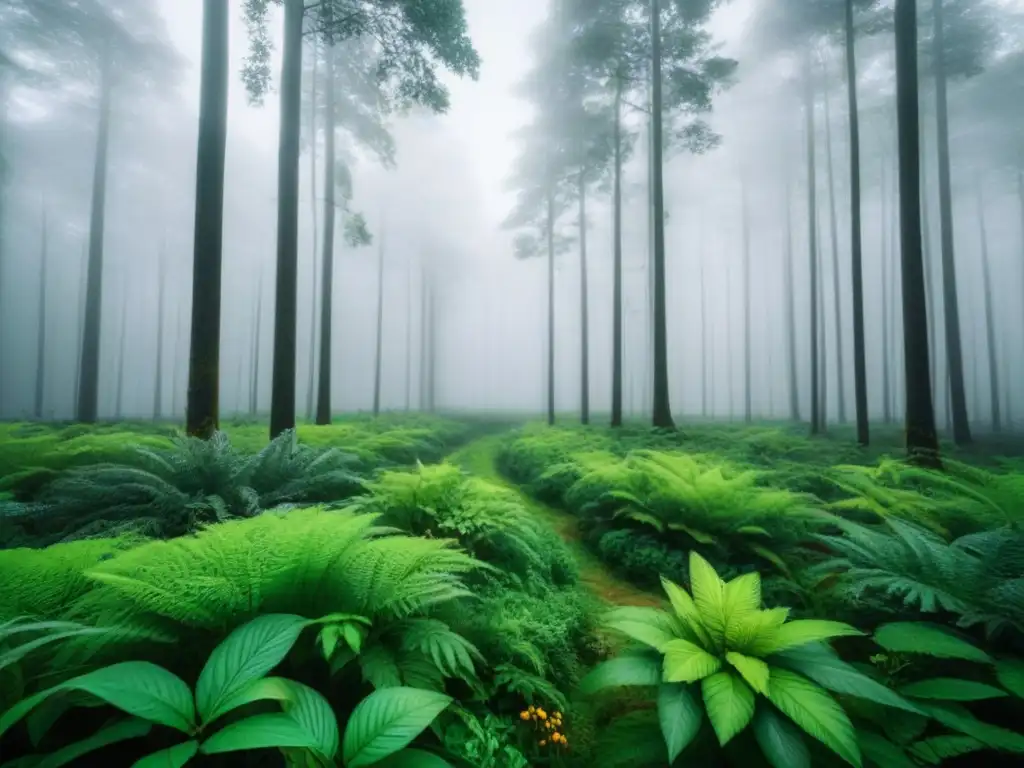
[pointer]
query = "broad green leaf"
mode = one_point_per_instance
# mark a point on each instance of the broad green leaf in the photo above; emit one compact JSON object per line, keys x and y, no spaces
{"x":19,"y":651}
{"x":413,"y":758}
{"x":821,"y":664}
{"x":793,"y":634}
{"x":753,"y":530}
{"x":247,"y":654}
{"x":708,"y":595}
{"x":686,"y":662}
{"x":959,"y":719}
{"x":742,"y":595}
{"x":729,"y":703}
{"x":810,"y":707}
{"x":312,"y":712}
{"x":882,"y":752}
{"x":780,"y":740}
{"x":353,"y":636}
{"x":275,"y":729}
{"x":938,"y":749}
{"x":686,"y":610}
{"x":755,"y":629}
{"x":388,"y":720}
{"x":26,"y":705}
{"x":952,"y":689}
{"x":336,"y":618}
{"x":172,"y":757}
{"x":754,"y":671}
{"x":122,"y":730}
{"x":927,"y":640}
{"x":1010,"y":673}
{"x":642,"y":670}
{"x":654,"y":633}
{"x":263,"y":689}
{"x":341,"y":658}
{"x":680,"y":715}
{"x":328,"y":638}
{"x":701,"y":537}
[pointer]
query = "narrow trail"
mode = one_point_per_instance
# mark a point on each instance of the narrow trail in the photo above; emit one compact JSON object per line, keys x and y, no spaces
{"x":478,"y":458}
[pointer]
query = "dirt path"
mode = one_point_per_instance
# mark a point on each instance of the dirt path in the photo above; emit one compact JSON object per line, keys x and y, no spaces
{"x":478,"y":458}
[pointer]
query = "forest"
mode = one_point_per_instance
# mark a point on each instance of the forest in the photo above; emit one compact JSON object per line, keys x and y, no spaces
{"x":605,"y":383}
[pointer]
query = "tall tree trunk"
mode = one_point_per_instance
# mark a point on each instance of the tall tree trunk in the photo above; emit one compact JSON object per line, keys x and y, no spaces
{"x":931,"y":295}
{"x":662,"y":410}
{"x":257,"y":346}
{"x":380,"y":327}
{"x":161,"y":290}
{"x":812,"y":244}
{"x":282,"y":400}
{"x":794,"y":379}
{"x":323,"y":394}
{"x":822,"y":335}
{"x":922,"y":441}
{"x":951,"y":306}
{"x":747,"y":388}
{"x":88,"y":389}
{"x":990,"y":323}
{"x":203,"y":405}
{"x":860,"y":375}
{"x":894,"y":342}
{"x":41,"y":327}
{"x":408,"y":338}
{"x":703,"y":342}
{"x":122,"y":343}
{"x":310,"y":403}
{"x":551,"y":306}
{"x":584,"y":315}
{"x":886,"y":288}
{"x":837,"y":302}
{"x":617,"y":261}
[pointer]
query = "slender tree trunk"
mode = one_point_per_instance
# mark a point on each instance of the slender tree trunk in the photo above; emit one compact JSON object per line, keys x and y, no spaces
{"x":158,"y":384}
{"x":551,"y":306}
{"x":662,"y":411}
{"x":895,"y":329}
{"x":380,"y":328}
{"x":88,"y":390}
{"x":584,"y":315}
{"x":323,"y":395}
{"x":203,"y":405}
{"x":930,"y":291}
{"x":282,"y":402}
{"x":951,"y":306}
{"x":617,"y":262}
{"x":990,"y":323}
{"x":860,"y":375}
{"x":41,"y":327}
{"x":123,"y":328}
{"x":883,"y":270}
{"x":922,"y":441}
{"x":812,"y":244}
{"x":257,"y":346}
{"x":703,"y":343}
{"x":408,"y":338}
{"x":424,"y":311}
{"x":794,"y":379}
{"x":310,"y":402}
{"x":837,"y":304}
{"x":822,"y":335}
{"x":747,"y":387}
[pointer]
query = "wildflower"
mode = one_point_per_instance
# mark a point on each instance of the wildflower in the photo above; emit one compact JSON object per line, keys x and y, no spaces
{"x":524,"y":715}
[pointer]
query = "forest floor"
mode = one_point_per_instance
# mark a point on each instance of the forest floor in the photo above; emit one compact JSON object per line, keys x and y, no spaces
{"x":478,"y":458}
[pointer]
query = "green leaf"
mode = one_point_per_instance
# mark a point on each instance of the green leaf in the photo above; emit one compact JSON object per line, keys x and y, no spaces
{"x":1010,"y":673}
{"x":172,"y":757}
{"x":729,"y":703}
{"x":680,"y":715}
{"x":938,"y":749}
{"x":821,"y":664}
{"x":928,"y":640}
{"x":882,"y":752}
{"x":952,"y":689}
{"x":353,"y":636}
{"x":686,"y":662}
{"x":275,"y":729}
{"x":793,"y":634}
{"x":654,"y":633}
{"x":810,"y":707}
{"x":708,"y":596}
{"x":742,"y":595}
{"x":755,"y":630}
{"x":686,"y":610}
{"x":413,"y":758}
{"x":328,"y":638}
{"x":754,"y":671}
{"x":638,"y":669}
{"x":780,"y":740}
{"x":247,"y":654}
{"x":701,"y":537}
{"x":388,"y":720}
{"x":959,"y":719}
{"x":312,"y":712}
{"x":122,"y":730}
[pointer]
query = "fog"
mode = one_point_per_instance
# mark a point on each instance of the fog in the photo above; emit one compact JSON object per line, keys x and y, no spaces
{"x":442,"y":211}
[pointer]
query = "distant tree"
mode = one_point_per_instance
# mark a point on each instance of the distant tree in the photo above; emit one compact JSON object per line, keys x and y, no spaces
{"x":413,"y":37}
{"x":41,"y":323}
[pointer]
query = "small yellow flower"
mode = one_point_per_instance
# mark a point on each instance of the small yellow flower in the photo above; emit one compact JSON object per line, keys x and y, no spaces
{"x":531,"y":709}
{"x":543,"y":742}
{"x":556,"y":737}
{"x":542,"y":714}
{"x":524,"y":715}
{"x":558,"y":715}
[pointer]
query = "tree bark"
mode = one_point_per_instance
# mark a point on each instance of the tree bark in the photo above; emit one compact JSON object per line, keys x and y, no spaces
{"x":380,"y":327}
{"x":323,"y":395}
{"x":860,"y":375}
{"x":951,"y":305}
{"x":922,"y":441}
{"x":551,"y":306}
{"x":41,"y":327}
{"x":837,"y":303}
{"x":990,"y":323}
{"x":282,"y":403}
{"x":88,"y":389}
{"x":662,"y":409}
{"x":747,"y":388}
{"x":203,"y":405}
{"x":584,"y":315}
{"x":812,"y":244}
{"x":158,"y":384}
{"x":794,"y":379}
{"x":310,"y":403}
{"x":617,"y":261}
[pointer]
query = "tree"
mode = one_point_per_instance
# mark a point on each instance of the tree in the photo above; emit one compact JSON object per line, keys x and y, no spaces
{"x":41,"y":325}
{"x":203,"y":404}
{"x":922,"y":440}
{"x":412,"y":38}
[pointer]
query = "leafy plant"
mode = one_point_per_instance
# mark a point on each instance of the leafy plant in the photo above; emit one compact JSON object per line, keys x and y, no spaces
{"x":718,"y":652}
